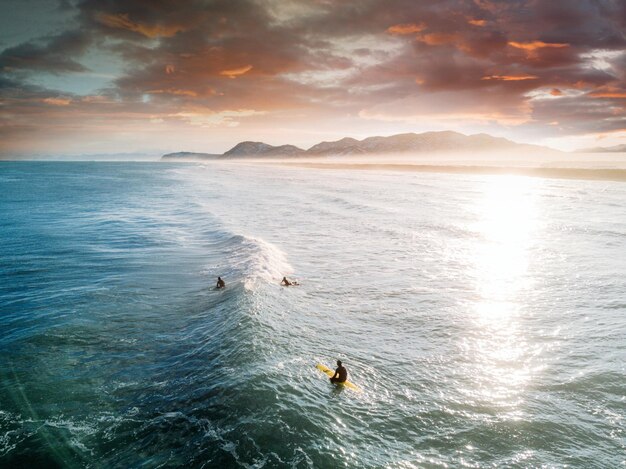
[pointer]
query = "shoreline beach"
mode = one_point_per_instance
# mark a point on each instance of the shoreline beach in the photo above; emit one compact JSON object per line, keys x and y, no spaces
{"x":603,"y":174}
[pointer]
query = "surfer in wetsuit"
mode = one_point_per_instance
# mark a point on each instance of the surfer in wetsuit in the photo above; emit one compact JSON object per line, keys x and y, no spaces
{"x":220,"y":283}
{"x":286,"y":282}
{"x":341,"y":374}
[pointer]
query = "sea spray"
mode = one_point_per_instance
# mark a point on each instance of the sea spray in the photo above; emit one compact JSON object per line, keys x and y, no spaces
{"x":250,"y":260}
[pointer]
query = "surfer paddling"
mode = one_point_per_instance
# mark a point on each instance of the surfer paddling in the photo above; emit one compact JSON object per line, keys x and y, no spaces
{"x":287,"y":283}
{"x":220,"y":283}
{"x":341,"y":374}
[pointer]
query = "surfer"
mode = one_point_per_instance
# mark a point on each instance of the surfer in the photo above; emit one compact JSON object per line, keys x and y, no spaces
{"x":286,"y":282}
{"x":220,"y":283}
{"x":341,"y":374}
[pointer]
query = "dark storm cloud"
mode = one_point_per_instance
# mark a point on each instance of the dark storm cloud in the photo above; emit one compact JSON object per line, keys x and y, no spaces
{"x":509,"y":49}
{"x":221,"y":54}
{"x":164,"y":18}
{"x":56,"y":54}
{"x":580,"y":115}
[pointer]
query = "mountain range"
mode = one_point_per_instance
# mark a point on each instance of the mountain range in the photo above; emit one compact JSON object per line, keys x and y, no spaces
{"x":447,"y":141}
{"x":613,"y":149}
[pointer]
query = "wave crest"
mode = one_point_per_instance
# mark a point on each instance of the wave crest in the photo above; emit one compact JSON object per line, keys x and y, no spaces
{"x":252,"y":260}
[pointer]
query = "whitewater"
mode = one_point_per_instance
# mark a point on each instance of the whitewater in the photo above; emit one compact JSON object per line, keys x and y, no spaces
{"x":483,"y":317}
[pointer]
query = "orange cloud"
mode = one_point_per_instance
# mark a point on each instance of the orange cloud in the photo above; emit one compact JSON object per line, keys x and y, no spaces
{"x":174,"y":91}
{"x":98,"y":99}
{"x":122,"y":21}
{"x":58,"y":101}
{"x":235,"y":72}
{"x":609,"y":134}
{"x":510,"y":77}
{"x":204,"y":118}
{"x":608,"y":92}
{"x":534,"y":45}
{"x":556,"y":92}
{"x":406,"y":28}
{"x":480,"y":23}
{"x":437,"y":39}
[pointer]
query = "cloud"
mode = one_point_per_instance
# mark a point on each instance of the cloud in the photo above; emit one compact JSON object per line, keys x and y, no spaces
{"x":57,"y":54}
{"x":437,"y":39}
{"x":452,"y":108}
{"x":534,"y":45}
{"x":514,"y":63}
{"x":58,"y":101}
{"x":206,"y":118}
{"x":479,"y":23}
{"x":234,"y":73}
{"x":406,"y":28}
{"x":122,"y":21}
{"x":174,"y":92}
{"x":510,"y":77}
{"x":608,"y":92}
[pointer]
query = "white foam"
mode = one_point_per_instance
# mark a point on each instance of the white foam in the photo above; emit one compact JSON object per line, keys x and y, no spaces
{"x":252,"y":261}
{"x":267,"y":263}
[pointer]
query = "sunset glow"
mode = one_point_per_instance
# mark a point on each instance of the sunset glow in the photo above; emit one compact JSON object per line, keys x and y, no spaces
{"x":77,"y":76}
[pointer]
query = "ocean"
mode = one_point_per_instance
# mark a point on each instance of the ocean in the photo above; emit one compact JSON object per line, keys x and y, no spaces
{"x":482,"y":316}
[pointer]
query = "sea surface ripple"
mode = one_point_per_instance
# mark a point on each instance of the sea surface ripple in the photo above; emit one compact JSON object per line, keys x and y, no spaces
{"x":483,"y":317}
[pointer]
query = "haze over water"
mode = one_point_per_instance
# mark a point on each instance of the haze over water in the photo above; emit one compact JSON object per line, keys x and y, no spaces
{"x":482,"y":316}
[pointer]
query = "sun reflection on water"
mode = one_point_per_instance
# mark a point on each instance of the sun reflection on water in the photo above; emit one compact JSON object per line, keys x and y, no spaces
{"x":505,"y":227}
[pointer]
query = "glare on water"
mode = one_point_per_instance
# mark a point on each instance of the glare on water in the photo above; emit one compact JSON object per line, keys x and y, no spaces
{"x":506,"y":222}
{"x":481,"y":315}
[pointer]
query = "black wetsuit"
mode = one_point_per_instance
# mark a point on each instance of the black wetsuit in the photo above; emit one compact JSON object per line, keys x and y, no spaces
{"x":341,"y":375}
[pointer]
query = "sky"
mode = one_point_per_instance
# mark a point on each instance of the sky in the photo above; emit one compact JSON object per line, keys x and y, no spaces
{"x":153,"y":76}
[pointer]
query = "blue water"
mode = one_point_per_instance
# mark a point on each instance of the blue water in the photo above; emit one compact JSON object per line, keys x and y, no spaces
{"x":483,"y":317}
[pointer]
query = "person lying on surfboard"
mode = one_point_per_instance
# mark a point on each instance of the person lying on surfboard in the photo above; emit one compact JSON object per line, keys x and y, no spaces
{"x":220,"y":283}
{"x":341,"y":374}
{"x":286,"y":282}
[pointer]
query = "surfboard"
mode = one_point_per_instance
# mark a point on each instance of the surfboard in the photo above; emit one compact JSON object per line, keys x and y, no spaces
{"x":330,"y":373}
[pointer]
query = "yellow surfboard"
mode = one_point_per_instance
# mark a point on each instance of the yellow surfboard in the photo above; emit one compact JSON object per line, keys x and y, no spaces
{"x":330,"y":373}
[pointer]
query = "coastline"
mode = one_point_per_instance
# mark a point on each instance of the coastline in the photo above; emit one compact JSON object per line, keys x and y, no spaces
{"x":574,"y":173}
{"x":618,"y":175}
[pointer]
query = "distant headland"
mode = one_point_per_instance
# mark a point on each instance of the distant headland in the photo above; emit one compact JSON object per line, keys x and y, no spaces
{"x":444,"y":141}
{"x":613,"y":149}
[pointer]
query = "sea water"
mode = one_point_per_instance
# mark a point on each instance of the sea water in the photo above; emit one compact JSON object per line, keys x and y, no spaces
{"x":483,"y":317}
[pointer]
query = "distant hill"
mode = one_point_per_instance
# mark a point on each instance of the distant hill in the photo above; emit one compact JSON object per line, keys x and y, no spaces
{"x":447,"y":141}
{"x":188,"y":155}
{"x":415,"y":143}
{"x":345,"y":146}
{"x":257,"y":149}
{"x":614,"y":149}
